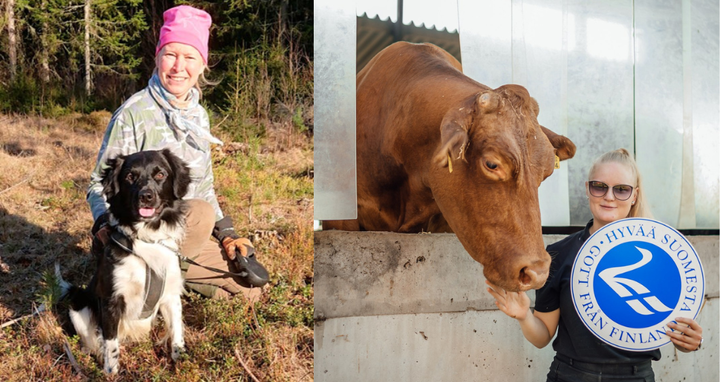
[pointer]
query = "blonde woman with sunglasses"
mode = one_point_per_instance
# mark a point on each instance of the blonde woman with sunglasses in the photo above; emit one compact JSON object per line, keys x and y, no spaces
{"x":614,"y":192}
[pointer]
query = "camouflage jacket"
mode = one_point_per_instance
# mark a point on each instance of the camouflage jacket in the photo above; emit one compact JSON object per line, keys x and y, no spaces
{"x":141,"y":124}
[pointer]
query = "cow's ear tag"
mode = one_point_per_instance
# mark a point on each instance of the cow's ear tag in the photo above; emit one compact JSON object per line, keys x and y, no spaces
{"x":557,"y":162}
{"x":449,"y":163}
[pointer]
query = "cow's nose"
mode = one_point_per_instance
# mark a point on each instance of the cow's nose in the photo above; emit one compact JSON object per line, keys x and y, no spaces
{"x":533,"y":276}
{"x":147,"y":196}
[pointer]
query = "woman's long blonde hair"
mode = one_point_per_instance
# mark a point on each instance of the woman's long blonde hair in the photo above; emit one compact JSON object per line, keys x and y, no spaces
{"x":623,"y":157}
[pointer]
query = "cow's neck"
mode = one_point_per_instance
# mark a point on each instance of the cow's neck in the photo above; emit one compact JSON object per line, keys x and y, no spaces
{"x":418,"y":208}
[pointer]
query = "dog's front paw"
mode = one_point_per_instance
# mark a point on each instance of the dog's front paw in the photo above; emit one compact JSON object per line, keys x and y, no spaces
{"x":111,"y":352}
{"x":111,"y":369}
{"x":111,"y":365}
{"x":177,"y":350}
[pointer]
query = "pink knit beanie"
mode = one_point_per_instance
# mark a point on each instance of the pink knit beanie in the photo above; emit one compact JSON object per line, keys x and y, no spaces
{"x":186,"y":25}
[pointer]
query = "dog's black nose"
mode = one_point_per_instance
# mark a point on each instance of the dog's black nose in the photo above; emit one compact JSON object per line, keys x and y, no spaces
{"x":147,"y":196}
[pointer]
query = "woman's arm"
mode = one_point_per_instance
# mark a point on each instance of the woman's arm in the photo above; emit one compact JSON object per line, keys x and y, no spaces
{"x":206,"y":189}
{"x":541,"y":336}
{"x":539,"y":327}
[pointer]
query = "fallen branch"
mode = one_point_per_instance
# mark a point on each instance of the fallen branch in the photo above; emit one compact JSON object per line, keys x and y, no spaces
{"x":257,"y":322}
{"x":15,"y":185}
{"x":72,"y":360}
{"x":221,"y":122}
{"x":37,"y":311}
{"x":250,"y":198}
{"x":237,"y":353}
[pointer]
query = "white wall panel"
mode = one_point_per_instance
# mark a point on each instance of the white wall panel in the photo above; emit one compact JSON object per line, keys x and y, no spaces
{"x":334,"y":60}
{"x":659,"y":104}
{"x":600,"y":90}
{"x":485,"y":41}
{"x":704,"y":33}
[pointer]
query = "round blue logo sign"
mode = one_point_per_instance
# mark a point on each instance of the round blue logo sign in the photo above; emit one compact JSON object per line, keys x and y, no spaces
{"x":631,"y":278}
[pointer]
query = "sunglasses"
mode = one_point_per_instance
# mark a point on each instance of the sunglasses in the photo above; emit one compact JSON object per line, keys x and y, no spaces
{"x":599,"y":189}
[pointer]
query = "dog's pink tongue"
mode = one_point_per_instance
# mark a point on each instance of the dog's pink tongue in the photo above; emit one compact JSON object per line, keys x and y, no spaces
{"x":147,"y":212}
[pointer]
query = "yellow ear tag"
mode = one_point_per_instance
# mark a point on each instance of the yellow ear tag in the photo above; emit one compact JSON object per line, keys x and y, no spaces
{"x":557,"y":162}
{"x":449,"y":163}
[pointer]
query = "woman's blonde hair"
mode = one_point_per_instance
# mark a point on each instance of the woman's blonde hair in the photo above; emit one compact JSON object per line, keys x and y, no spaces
{"x":203,"y":82}
{"x":623,"y":157}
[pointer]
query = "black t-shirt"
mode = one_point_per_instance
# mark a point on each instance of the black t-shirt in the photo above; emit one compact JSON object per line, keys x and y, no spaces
{"x":573,"y":339}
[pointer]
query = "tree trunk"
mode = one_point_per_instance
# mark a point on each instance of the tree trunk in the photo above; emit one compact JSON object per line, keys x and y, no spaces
{"x":44,"y":55}
{"x":88,"y":76}
{"x":282,"y":20}
{"x":12,"y":37}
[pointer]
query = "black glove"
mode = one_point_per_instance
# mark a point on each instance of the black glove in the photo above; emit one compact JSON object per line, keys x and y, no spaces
{"x":224,"y":228}
{"x":100,"y":222}
{"x":241,"y":253}
{"x":100,"y":234}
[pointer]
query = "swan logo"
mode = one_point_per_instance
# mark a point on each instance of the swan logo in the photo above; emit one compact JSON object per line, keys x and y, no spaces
{"x":631,"y":278}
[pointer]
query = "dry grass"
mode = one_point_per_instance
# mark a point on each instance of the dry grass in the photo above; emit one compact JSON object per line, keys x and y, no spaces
{"x":265,"y":185}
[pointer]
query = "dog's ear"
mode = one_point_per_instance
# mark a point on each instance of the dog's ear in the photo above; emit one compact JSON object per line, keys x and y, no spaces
{"x":111,"y":174}
{"x":181,"y":173}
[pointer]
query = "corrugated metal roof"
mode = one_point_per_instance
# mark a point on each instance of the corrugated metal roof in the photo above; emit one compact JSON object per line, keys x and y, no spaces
{"x":374,"y":34}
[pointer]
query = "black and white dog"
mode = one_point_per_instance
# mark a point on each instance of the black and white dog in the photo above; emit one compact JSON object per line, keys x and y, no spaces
{"x":139,"y":272}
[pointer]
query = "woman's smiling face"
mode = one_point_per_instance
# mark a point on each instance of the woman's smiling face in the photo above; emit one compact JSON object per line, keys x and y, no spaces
{"x":607,"y":208}
{"x":179,"y":66}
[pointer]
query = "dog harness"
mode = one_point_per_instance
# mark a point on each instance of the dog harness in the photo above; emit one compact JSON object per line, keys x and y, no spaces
{"x":249,"y":269}
{"x":154,"y":282}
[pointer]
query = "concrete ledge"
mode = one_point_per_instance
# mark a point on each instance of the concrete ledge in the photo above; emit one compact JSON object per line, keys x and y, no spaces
{"x":468,"y":346}
{"x":379,"y":273}
{"x":371,"y":273}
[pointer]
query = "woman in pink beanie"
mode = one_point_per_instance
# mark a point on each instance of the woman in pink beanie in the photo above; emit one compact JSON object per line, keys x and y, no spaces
{"x":182,"y":49}
{"x":167,"y":114}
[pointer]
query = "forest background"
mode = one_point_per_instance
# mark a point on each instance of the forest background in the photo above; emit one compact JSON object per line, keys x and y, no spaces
{"x":62,"y":55}
{"x":65,"y":66}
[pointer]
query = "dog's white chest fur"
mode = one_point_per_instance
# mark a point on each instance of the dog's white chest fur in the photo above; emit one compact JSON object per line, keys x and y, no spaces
{"x":130,"y":278}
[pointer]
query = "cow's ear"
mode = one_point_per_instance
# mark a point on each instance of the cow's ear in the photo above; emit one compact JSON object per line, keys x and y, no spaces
{"x":454,"y":137}
{"x":454,"y":128}
{"x":180,"y":173}
{"x":564,"y":148}
{"x":111,"y":176}
{"x":534,"y":107}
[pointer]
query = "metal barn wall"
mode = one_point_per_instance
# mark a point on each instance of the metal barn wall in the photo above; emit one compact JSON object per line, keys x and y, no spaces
{"x":639,"y":74}
{"x":375,"y":34}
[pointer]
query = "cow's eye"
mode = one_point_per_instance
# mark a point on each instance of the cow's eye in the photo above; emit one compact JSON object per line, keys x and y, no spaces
{"x":491,"y":165}
{"x":160,"y":176}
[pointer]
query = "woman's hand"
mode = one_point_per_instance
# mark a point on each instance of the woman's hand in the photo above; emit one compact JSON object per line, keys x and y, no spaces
{"x":686,"y":334}
{"x":514,"y":304}
{"x":231,"y":245}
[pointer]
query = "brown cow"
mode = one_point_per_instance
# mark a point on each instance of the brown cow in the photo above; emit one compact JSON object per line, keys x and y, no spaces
{"x":435,"y":146}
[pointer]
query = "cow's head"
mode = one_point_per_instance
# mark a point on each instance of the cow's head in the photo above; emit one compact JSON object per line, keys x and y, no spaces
{"x":487,"y":169}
